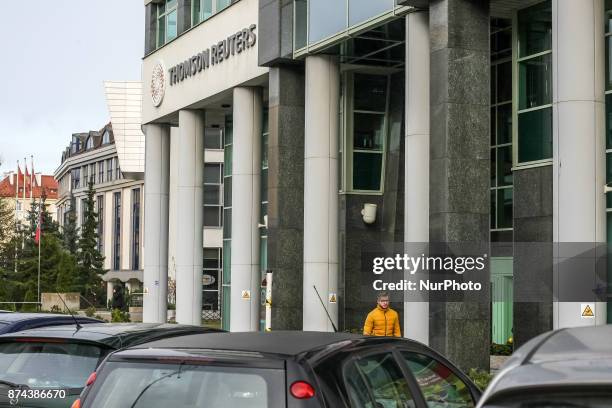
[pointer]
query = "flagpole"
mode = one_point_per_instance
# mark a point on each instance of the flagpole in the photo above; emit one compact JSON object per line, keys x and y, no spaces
{"x":39,"y":241}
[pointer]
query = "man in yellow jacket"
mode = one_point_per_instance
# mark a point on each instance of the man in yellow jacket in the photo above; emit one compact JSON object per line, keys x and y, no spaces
{"x":382,"y":321}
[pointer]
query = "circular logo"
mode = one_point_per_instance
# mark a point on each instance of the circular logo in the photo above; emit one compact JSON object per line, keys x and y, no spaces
{"x":158,"y":84}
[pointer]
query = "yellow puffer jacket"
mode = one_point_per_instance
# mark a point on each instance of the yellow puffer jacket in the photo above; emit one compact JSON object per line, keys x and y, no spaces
{"x":381,"y":322}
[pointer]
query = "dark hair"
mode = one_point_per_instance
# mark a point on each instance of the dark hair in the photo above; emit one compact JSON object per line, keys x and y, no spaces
{"x":382,"y":295}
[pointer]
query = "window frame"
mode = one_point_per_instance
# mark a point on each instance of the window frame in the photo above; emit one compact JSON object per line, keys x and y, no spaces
{"x":117,"y":224}
{"x":346,"y":149}
{"x":413,"y":386}
{"x":100,"y":229}
{"x":516,"y":60}
{"x":136,"y":229}
{"x":164,"y":15}
{"x":219,"y":184}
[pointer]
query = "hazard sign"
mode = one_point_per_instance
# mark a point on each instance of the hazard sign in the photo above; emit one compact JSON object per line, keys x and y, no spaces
{"x":587,"y":310}
{"x":333,"y":298}
{"x":246,"y":295}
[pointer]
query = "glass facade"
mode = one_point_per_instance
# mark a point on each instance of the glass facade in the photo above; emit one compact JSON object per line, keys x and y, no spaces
{"x":534,"y":70}
{"x":318,"y":20}
{"x":166,"y":22}
{"x":116,"y":253}
{"x":211,"y":283}
{"x":227,"y":224}
{"x":263,"y":231}
{"x":213,"y":199}
{"x":366,"y":104}
{"x":204,"y":9}
{"x":100,"y":211}
{"x":608,"y":91}
{"x":136,"y":229}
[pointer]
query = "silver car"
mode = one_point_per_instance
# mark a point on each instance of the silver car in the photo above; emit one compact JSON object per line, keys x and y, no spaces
{"x":562,"y":368}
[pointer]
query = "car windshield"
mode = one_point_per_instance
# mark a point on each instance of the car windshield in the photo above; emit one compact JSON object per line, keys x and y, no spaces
{"x":153,"y":385}
{"x":48,"y":365}
{"x":572,"y":399}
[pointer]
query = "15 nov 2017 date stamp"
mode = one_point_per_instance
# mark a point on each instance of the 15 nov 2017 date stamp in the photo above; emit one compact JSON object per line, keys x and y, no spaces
{"x":15,"y":396}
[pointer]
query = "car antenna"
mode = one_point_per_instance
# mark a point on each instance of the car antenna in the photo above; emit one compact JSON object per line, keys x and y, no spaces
{"x":324,"y":308}
{"x":78,"y":326}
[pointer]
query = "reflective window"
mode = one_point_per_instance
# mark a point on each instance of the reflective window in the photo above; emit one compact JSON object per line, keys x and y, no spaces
{"x":116,"y":253}
{"x":501,"y":130}
{"x":227,"y":223}
{"x":377,"y":381}
{"x":136,"y":229}
{"x":534,"y":67}
{"x":100,"y":230}
{"x":366,"y":130}
{"x":213,"y":138}
{"x":362,"y":10}
{"x":211,"y":283}
{"x":439,"y":385}
{"x":535,"y":29}
{"x":327,"y":17}
{"x":166,"y":22}
{"x":213,"y":203}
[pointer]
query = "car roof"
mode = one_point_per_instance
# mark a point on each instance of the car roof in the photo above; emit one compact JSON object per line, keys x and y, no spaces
{"x":113,"y":335}
{"x":279,"y":343}
{"x":17,"y":317}
{"x":564,"y":357}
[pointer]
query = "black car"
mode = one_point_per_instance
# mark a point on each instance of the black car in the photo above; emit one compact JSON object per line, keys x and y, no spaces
{"x":278,"y":370}
{"x":49,"y":367}
{"x":569,"y":367}
{"x":13,"y":322}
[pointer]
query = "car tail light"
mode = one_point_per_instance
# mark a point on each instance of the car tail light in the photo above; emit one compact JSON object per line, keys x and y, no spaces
{"x":302,"y":390}
{"x":76,"y":403}
{"x":90,"y":379}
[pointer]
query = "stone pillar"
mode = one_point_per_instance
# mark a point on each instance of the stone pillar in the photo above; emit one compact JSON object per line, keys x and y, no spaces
{"x":459,"y":163}
{"x":157,"y":163}
{"x":190,"y":217}
{"x":246,"y":205}
{"x":579,"y":168}
{"x":286,"y":194}
{"x":416,"y":181}
{"x":322,"y":98}
{"x":109,"y":291}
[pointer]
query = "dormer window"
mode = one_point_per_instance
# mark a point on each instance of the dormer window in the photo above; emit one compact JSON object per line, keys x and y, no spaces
{"x":76,"y":145}
{"x":89,"y":144}
{"x":106,"y":138}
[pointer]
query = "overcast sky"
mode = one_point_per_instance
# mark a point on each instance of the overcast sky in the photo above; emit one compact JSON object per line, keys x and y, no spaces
{"x":55,"y":56}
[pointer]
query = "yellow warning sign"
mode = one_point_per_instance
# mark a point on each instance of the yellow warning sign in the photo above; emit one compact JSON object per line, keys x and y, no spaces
{"x":587,"y":311}
{"x":333,"y":298}
{"x":246,"y":295}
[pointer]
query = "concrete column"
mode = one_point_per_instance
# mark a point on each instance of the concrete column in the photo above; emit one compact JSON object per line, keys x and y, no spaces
{"x":322,"y":98}
{"x":246,"y":205}
{"x":190,"y":217}
{"x":579,"y":172}
{"x":157,"y":163}
{"x":459,"y":166}
{"x":416,"y":182}
{"x":109,"y":291}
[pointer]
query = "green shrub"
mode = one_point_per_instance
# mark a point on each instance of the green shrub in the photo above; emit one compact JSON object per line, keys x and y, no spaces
{"x":480,"y":377}
{"x":119,"y":317}
{"x":501,"y":349}
{"x":90,"y":311}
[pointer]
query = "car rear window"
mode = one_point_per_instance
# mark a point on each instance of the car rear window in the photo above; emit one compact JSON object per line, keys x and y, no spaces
{"x":48,"y":364}
{"x":153,"y":385}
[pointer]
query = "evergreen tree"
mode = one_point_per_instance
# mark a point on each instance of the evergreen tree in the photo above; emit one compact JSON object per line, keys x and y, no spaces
{"x":90,"y":261}
{"x":7,"y":220}
{"x":70,"y":230}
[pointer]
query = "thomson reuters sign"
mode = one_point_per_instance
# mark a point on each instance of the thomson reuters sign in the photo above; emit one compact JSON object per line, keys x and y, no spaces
{"x":216,"y":54}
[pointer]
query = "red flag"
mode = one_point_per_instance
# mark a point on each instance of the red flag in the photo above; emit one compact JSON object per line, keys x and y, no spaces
{"x":38,"y":234}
